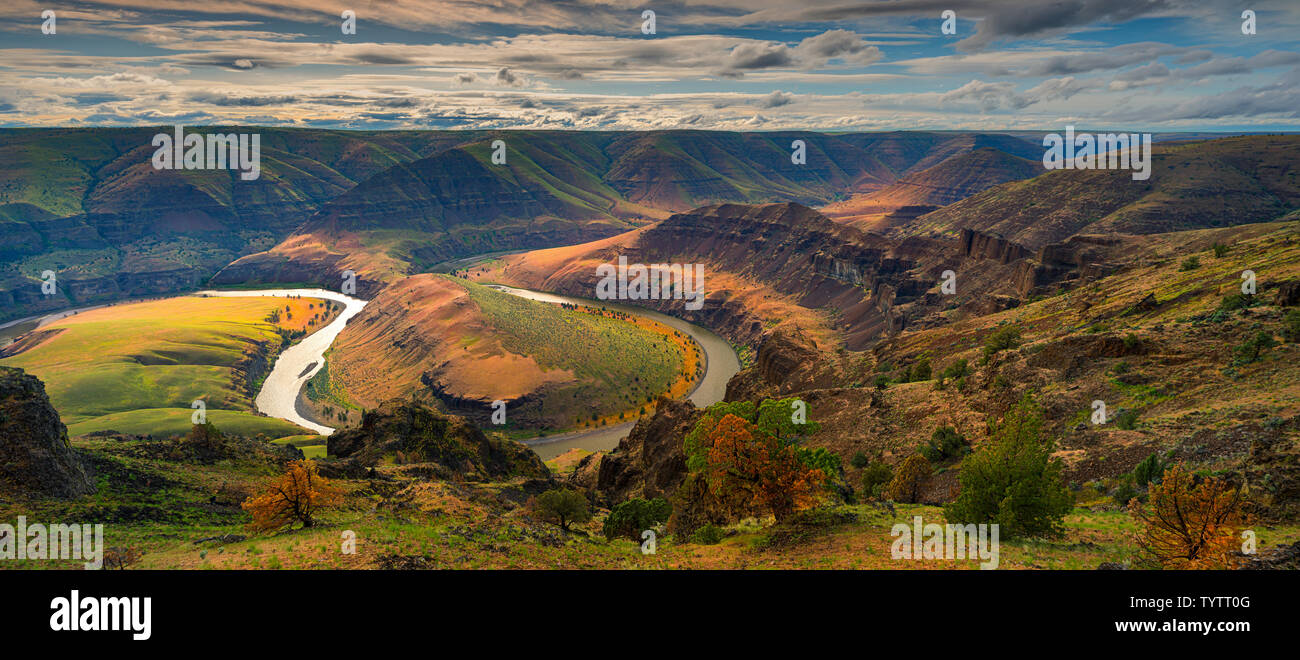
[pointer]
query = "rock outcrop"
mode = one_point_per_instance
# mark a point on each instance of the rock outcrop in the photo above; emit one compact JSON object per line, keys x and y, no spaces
{"x":1288,"y":294}
{"x":36,"y":459}
{"x":414,"y":433}
{"x":787,"y":361}
{"x":648,"y":463}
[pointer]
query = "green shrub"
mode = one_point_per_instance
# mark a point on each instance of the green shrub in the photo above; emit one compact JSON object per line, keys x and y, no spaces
{"x":1291,"y":326}
{"x":628,"y":519}
{"x":1123,"y":493}
{"x":1126,"y":419}
{"x":709,"y":534}
{"x":1236,"y":301}
{"x":920,"y":370}
{"x":1149,"y":470}
{"x":906,"y":484}
{"x":1219,"y":250}
{"x":1253,"y":348}
{"x":1190,"y":263}
{"x":859,"y":460}
{"x":822,"y":459}
{"x":1002,"y":339}
{"x":874,"y":479}
{"x":945,"y":443}
{"x":563,"y":507}
{"x":1012,"y":480}
{"x":955,"y":370}
{"x":881,"y":381}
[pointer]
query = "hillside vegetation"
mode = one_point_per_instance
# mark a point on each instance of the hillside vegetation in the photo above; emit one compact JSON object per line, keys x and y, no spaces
{"x":136,"y":368}
{"x":562,"y":188}
{"x":468,"y":345}
{"x":1198,"y":185}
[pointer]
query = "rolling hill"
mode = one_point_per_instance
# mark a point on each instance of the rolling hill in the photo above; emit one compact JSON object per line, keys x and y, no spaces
{"x":1215,"y":183}
{"x":952,"y":180}
{"x":137,"y":367}
{"x":559,"y":188}
{"x":88,"y":205}
{"x":436,"y":337}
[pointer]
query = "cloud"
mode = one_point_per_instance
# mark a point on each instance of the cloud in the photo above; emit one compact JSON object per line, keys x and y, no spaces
{"x":229,"y":100}
{"x":1026,"y":19}
{"x":1280,"y":98}
{"x":987,"y":96}
{"x":751,"y":56}
{"x":844,"y":45}
{"x":109,"y":81}
{"x":994,"y":20}
{"x":1055,"y":89}
{"x":775,"y":100}
{"x":811,"y":53}
{"x":714,"y":64}
{"x":507,"y":78}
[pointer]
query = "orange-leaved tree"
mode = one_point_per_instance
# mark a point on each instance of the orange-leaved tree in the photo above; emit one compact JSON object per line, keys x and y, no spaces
{"x":906,"y":484}
{"x":295,"y":496}
{"x":747,"y":463}
{"x":1190,"y":525}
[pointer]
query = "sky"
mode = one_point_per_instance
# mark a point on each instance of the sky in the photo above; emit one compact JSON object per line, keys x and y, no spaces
{"x":838,"y":65}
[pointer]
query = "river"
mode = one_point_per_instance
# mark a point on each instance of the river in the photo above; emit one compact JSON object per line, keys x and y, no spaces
{"x":298,"y":363}
{"x":720,"y":364}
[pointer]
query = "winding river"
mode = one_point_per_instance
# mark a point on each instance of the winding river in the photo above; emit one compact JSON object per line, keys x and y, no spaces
{"x":298,"y":363}
{"x":720,"y":364}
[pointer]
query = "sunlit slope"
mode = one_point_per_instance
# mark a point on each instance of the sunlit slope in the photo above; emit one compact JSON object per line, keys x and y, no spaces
{"x":434,"y":336}
{"x":950,"y":181}
{"x":1217,"y":183}
{"x":88,"y":205}
{"x":566,"y":187}
{"x":161,"y":355}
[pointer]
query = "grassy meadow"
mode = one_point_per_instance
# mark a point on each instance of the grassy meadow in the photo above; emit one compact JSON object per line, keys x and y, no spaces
{"x":619,"y":365}
{"x":136,"y":368}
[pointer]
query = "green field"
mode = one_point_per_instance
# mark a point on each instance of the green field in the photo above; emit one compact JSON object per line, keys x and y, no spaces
{"x":138,"y":367}
{"x":165,"y":422}
{"x":619,"y":365}
{"x":312,"y":446}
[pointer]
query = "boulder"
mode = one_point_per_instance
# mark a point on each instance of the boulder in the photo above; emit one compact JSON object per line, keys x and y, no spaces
{"x":1288,"y":294}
